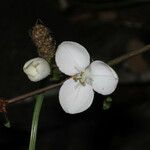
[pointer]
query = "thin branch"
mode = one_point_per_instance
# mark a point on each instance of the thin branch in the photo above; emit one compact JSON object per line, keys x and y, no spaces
{"x":38,"y":91}
{"x":128,"y":55}
{"x":50,"y":87}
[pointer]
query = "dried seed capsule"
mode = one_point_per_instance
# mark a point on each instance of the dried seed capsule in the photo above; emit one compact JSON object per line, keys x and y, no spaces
{"x":44,"y":41}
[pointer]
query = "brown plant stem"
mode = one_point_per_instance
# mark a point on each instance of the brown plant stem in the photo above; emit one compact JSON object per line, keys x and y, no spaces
{"x":38,"y":91}
{"x":128,"y":55}
{"x":50,"y":87}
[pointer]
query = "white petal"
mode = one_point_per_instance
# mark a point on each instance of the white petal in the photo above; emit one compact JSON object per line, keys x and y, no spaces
{"x":36,"y":69}
{"x":74,"y":97}
{"x":104,"y":78}
{"x":71,"y":58}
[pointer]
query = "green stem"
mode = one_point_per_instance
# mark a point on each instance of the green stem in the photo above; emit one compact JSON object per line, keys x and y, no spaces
{"x":37,"y":108}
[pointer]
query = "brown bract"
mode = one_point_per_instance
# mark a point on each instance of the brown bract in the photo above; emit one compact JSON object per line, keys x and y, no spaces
{"x":2,"y":105}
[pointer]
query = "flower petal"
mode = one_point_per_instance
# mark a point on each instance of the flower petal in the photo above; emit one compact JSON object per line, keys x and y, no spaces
{"x":71,"y":58}
{"x":74,"y":97}
{"x":104,"y":78}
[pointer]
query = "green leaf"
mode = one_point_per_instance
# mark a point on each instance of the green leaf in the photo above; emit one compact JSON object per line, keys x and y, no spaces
{"x":35,"y":119}
{"x":107,"y":103}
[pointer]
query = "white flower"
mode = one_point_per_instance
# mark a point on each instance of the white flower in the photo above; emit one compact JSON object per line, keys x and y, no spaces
{"x":36,"y":69}
{"x":77,"y":93}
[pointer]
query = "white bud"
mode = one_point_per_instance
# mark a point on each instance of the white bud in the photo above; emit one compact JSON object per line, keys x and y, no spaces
{"x":36,"y":69}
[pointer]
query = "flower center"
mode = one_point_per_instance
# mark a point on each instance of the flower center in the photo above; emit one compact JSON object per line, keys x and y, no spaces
{"x":83,"y":77}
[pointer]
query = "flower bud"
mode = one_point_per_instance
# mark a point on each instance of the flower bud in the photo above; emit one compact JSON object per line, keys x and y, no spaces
{"x":36,"y":69}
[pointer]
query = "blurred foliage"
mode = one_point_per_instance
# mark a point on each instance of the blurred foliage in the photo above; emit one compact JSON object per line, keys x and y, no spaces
{"x":5,"y":120}
{"x":7,"y":124}
{"x":107,"y":103}
{"x":103,"y":4}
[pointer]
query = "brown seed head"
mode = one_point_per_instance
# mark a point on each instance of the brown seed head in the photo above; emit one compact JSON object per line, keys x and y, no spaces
{"x":44,"y":42}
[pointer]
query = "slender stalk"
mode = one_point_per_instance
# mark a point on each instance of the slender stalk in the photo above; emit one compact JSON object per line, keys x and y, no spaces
{"x":50,"y":87}
{"x":128,"y":55}
{"x":35,"y":119}
{"x":30,"y":94}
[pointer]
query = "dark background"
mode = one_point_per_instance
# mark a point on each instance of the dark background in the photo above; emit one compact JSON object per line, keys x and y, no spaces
{"x":107,"y":29}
